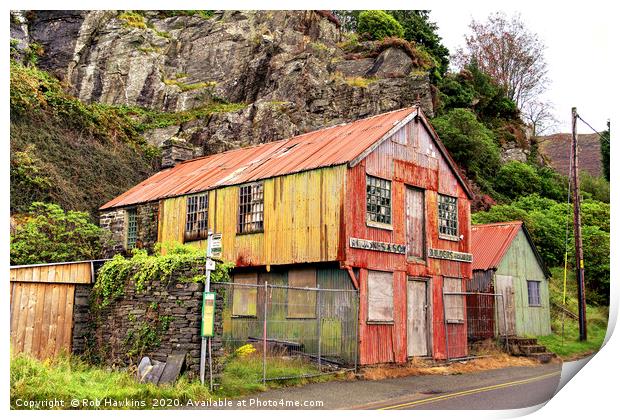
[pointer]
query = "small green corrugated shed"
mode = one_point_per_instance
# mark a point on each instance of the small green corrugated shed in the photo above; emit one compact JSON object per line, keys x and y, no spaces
{"x":505,"y":255}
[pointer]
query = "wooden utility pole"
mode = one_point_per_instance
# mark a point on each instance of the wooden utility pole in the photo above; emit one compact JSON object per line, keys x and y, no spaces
{"x":583,"y":333}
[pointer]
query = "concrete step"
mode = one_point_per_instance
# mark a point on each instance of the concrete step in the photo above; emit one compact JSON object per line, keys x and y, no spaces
{"x":532,"y":349}
{"x":545,"y":357}
{"x":522,"y":341}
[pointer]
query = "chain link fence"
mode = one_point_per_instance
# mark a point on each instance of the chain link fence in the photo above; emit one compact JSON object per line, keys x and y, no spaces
{"x":484,"y":317}
{"x":277,"y":332}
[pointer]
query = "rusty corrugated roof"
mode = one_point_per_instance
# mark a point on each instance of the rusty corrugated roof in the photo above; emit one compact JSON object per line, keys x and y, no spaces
{"x":490,"y":242}
{"x":326,"y":147}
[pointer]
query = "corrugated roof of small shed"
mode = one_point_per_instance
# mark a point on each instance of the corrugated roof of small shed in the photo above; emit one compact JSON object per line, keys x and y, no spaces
{"x":326,"y":147}
{"x":490,"y":242}
{"x":330,"y":146}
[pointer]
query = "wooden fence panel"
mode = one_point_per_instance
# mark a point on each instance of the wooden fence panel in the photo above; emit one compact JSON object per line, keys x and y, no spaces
{"x":42,"y":298}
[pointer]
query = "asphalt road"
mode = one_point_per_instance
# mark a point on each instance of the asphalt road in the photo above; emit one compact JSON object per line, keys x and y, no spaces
{"x":510,"y":395}
{"x":507,"y":388}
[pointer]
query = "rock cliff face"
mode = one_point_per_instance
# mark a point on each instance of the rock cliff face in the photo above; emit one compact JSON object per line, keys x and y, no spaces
{"x":290,"y":71}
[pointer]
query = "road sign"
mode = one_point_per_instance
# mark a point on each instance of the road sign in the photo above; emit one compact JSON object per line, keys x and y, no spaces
{"x":216,"y":245}
{"x":208,"y":314}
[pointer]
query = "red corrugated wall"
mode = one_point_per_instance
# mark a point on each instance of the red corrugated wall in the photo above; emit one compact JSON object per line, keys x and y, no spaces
{"x":411,"y":164}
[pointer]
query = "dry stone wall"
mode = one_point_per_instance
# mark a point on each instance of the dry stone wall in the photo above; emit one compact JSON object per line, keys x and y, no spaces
{"x":162,"y":319}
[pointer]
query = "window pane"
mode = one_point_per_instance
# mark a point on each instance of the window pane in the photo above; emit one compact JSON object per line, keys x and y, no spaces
{"x":533,"y":292}
{"x":378,"y":200}
{"x":448,"y":215}
{"x":132,"y":228}
{"x":196,"y":220}
{"x":251,"y":208}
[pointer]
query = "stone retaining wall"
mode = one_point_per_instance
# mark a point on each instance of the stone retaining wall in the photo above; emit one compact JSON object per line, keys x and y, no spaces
{"x":160,"y":320}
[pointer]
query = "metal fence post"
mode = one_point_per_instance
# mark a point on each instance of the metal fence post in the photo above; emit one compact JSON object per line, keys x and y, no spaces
{"x":265,"y":304}
{"x":445,"y":322}
{"x":357,"y":325}
{"x":505,"y":324}
{"x":318,"y":317}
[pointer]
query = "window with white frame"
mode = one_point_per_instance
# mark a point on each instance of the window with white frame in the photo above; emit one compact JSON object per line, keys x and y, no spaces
{"x":380,"y":296}
{"x":132,"y":228}
{"x":378,"y":201}
{"x":533,"y":292}
{"x":251,"y":208}
{"x":196,"y":220}
{"x":448,"y":217}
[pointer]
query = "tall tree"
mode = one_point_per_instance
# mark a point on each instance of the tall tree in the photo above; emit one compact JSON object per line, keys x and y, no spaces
{"x":420,"y":29}
{"x":605,"y":151}
{"x":539,"y":116}
{"x":508,"y":52}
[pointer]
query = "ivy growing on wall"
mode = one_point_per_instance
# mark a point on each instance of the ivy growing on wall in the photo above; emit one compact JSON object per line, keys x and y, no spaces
{"x":141,"y":269}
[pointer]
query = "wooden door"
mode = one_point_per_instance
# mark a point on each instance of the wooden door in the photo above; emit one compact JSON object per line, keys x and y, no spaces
{"x":416,"y":243}
{"x":503,"y":285}
{"x":417,"y":318}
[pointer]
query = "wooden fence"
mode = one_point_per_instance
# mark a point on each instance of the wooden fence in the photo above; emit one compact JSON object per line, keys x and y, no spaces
{"x":42,"y":298}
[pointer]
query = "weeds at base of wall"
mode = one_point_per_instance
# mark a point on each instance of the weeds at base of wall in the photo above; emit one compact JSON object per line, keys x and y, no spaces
{"x":417,"y":367}
{"x":68,"y":378}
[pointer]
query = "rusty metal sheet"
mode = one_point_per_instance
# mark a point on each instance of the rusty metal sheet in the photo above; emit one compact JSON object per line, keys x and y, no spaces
{"x":326,"y":147}
{"x":490,"y":242}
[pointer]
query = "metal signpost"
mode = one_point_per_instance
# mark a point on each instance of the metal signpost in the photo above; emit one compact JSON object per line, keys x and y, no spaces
{"x":208,"y":311}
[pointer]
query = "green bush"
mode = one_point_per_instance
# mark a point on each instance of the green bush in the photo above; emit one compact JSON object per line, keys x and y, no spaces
{"x":515,"y":179}
{"x":141,"y":268}
{"x":596,"y":188}
{"x":470,"y":143}
{"x":376,"y":25}
{"x":548,"y":220}
{"x":471,"y":88}
{"x":49,"y":234}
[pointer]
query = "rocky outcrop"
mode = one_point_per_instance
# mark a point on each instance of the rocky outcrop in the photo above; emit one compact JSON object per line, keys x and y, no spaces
{"x":289,"y":68}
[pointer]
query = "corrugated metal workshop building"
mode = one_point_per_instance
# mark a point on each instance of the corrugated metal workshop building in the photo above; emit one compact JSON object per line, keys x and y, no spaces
{"x":507,"y":262}
{"x":376,"y":205}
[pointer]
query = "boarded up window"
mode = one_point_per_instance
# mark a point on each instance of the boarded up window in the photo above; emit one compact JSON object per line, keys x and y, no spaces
{"x":415,"y":223}
{"x":244,"y":294}
{"x":533,"y":293}
{"x":380,"y":296}
{"x":196,"y":218}
{"x":132,"y":227}
{"x":455,"y":304}
{"x":302,"y":303}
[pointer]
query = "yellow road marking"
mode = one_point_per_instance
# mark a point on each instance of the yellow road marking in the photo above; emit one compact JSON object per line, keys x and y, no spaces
{"x":469,"y":392}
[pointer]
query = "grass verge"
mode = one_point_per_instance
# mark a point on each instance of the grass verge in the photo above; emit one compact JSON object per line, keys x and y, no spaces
{"x":243,"y":375}
{"x":68,"y":378}
{"x":569,"y":347}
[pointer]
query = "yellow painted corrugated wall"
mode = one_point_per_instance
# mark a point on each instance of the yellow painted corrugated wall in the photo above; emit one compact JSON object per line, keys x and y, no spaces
{"x":301,"y":220}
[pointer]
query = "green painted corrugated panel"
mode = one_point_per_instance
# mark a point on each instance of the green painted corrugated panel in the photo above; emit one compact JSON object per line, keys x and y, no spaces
{"x":521,"y":263}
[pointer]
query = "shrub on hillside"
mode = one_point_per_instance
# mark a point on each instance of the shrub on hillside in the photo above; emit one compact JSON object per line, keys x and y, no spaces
{"x":49,"y":234}
{"x":515,"y":179}
{"x":470,"y":143}
{"x":376,"y":25}
{"x":548,"y":220}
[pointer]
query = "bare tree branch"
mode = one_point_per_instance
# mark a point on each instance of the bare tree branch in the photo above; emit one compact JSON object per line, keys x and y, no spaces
{"x":508,"y":52}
